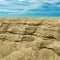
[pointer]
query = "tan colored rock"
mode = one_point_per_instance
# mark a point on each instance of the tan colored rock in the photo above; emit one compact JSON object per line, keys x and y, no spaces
{"x":6,"y":48}
{"x":3,"y":27}
{"x":22,"y":54}
{"x":54,"y":45}
{"x":58,"y":34}
{"x":10,"y":37}
{"x":30,"y":30}
{"x":27,"y":38}
{"x":47,"y":54}
{"x":49,"y":32}
{"x":30,"y":38}
{"x":16,"y":28}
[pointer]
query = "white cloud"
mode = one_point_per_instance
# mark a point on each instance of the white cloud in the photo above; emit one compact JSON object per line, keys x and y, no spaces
{"x":21,"y":0}
{"x":52,"y":1}
{"x":2,"y":0}
{"x":33,"y":1}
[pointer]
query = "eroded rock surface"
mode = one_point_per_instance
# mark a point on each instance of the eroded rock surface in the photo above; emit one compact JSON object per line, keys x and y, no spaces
{"x":30,"y":39}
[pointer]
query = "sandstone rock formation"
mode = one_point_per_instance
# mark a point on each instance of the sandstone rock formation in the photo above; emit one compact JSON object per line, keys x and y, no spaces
{"x":30,"y":38}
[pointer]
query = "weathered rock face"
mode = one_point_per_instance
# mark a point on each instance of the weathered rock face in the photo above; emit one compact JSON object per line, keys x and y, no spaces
{"x":30,"y":39}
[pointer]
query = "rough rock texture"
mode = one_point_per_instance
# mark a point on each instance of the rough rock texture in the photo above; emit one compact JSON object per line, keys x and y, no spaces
{"x":30,"y":38}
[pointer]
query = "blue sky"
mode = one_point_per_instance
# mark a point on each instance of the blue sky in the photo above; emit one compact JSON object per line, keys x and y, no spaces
{"x":29,"y":8}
